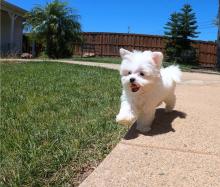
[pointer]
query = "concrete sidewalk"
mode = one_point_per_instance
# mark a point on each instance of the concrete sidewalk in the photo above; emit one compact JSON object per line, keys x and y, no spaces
{"x":86,"y":63}
{"x":183,"y":148}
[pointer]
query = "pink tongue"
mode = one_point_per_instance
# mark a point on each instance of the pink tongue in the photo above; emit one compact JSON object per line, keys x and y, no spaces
{"x":134,"y":88}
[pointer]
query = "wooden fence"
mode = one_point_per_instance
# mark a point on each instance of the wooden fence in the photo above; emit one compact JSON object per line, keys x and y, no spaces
{"x":108,"y":44}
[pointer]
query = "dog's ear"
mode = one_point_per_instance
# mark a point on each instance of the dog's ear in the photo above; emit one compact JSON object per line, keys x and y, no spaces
{"x":157,"y":58}
{"x":124,"y":52}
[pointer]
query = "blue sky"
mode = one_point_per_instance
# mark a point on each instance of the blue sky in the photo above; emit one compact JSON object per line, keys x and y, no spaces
{"x":142,"y":16}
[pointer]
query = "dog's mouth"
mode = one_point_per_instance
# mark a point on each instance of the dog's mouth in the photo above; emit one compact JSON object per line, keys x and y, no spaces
{"x":134,"y":87}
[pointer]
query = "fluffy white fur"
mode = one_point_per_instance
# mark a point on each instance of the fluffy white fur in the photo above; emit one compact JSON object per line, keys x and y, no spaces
{"x":145,"y":86}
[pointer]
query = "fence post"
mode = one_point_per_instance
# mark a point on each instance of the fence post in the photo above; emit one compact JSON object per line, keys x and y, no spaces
{"x":218,"y":40}
{"x":101,"y":44}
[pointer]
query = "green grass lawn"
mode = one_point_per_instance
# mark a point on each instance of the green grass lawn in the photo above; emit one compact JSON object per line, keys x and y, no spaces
{"x":111,"y":60}
{"x":117,"y":60}
{"x":57,"y":122}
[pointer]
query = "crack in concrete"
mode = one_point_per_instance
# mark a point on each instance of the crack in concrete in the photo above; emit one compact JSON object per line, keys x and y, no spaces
{"x":171,"y":149}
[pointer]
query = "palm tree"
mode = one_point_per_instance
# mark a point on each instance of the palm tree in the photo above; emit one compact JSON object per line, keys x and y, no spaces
{"x":57,"y":26}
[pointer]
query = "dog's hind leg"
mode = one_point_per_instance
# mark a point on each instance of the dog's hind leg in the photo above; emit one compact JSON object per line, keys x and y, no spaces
{"x":170,"y":102}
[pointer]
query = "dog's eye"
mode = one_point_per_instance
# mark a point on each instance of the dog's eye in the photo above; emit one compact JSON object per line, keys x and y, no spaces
{"x":129,"y":73}
{"x":141,"y":74}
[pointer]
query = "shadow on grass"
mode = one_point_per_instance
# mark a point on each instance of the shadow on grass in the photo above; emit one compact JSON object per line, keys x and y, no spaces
{"x":162,"y":124}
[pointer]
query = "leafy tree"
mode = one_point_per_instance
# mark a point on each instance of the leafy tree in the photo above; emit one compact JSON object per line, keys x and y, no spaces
{"x":172,"y":48}
{"x":180,"y":29}
{"x":56,"y":26}
{"x":173,"y":25}
{"x":188,"y":23}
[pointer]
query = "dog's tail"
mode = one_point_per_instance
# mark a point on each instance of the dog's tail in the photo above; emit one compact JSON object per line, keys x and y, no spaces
{"x":172,"y":73}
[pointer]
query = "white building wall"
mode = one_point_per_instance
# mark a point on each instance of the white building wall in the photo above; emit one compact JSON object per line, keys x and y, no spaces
{"x":18,"y":34}
{"x":8,"y":45}
{"x":5,"y":32}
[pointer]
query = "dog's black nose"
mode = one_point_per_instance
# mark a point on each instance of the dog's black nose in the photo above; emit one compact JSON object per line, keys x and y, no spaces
{"x":132,"y":80}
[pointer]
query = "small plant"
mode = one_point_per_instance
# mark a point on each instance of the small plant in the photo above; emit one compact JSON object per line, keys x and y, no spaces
{"x":180,"y":29}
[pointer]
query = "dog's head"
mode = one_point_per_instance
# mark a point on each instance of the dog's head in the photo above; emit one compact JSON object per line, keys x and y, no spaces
{"x":139,"y":70}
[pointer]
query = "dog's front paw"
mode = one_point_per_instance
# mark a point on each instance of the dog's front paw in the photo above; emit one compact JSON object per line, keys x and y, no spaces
{"x":125,"y":120}
{"x":168,"y":110}
{"x":143,"y":129}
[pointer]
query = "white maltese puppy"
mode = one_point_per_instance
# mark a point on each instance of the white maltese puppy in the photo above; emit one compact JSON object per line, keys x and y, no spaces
{"x":145,"y":86}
